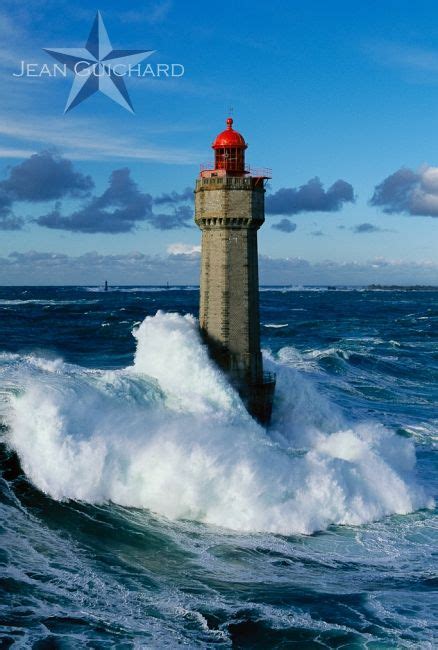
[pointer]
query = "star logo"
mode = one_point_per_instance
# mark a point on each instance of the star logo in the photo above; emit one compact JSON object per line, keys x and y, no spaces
{"x":97,"y":67}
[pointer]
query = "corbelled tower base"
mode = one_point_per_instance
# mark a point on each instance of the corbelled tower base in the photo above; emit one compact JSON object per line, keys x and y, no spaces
{"x":229,"y":209}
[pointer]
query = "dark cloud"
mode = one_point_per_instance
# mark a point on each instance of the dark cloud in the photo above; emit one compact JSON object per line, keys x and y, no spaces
{"x":409,"y":192}
{"x":181,"y":217}
{"x":46,"y":176}
{"x":394,"y":193}
{"x":285,"y":225}
{"x":366,"y":227}
{"x":11,"y":222}
{"x":5,"y":203}
{"x":43,"y":177}
{"x":310,"y":197}
{"x":317,"y":233}
{"x":174,"y":197}
{"x":119,"y":209}
{"x":8,"y":221}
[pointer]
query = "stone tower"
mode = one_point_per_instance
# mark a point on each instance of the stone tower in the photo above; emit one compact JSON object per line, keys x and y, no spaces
{"x":229,"y":209}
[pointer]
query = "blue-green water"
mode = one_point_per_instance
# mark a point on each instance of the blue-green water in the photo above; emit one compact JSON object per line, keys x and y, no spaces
{"x":142,"y":508}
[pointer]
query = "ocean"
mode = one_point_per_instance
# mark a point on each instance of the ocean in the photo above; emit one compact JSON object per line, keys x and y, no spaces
{"x":141,"y":506}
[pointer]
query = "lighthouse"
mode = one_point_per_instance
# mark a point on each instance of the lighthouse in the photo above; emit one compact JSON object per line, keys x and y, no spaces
{"x":229,"y":209}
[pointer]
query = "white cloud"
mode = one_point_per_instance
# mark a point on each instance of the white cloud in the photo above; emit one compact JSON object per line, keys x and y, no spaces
{"x":405,"y":57}
{"x":409,"y":192}
{"x":44,"y":268}
{"x":152,"y":14}
{"x":66,"y":135}
{"x":183,"y":249}
{"x":15,"y":153}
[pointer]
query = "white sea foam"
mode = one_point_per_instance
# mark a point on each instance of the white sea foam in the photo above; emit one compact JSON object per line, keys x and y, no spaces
{"x":142,"y":289}
{"x":288,"y":289}
{"x":171,"y":435}
{"x":47,"y":303}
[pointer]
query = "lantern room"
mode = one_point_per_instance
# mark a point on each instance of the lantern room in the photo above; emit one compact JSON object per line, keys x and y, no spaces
{"x":229,"y":150}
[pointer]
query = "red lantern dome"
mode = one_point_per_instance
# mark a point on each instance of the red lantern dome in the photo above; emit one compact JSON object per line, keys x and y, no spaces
{"x":229,"y":148}
{"x":229,"y":138}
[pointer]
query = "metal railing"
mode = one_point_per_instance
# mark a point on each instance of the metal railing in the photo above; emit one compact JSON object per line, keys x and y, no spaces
{"x":257,"y":172}
{"x":210,"y":166}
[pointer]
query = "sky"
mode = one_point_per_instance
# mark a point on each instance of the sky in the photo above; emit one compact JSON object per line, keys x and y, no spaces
{"x":340,"y":99}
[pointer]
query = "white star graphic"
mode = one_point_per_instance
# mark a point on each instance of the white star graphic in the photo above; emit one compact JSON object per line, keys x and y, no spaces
{"x":98,"y":67}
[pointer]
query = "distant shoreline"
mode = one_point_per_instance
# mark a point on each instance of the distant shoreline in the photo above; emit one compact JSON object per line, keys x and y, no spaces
{"x":396,"y":287}
{"x":265,"y":287}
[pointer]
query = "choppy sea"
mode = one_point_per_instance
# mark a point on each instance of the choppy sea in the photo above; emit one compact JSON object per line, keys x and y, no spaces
{"x":141,"y":507}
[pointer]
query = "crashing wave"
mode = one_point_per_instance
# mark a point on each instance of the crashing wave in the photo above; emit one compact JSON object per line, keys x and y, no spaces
{"x":171,"y":435}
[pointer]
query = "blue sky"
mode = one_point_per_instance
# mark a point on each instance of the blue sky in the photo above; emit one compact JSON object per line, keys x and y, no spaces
{"x":335,"y":90}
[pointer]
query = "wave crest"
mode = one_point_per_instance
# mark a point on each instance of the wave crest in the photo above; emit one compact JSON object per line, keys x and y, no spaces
{"x":171,"y":435}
